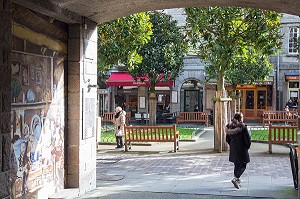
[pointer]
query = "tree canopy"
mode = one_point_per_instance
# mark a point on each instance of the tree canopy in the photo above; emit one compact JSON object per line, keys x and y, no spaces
{"x":232,"y":41}
{"x":252,"y":67}
{"x":119,"y":41}
{"x":163,"y":54}
{"x":231,"y":37}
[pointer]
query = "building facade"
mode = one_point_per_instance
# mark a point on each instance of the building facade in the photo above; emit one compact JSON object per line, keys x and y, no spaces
{"x":190,"y":90}
{"x":286,"y":65}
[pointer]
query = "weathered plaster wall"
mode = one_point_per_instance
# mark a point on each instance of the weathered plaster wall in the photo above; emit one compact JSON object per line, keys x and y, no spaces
{"x":38,"y":62}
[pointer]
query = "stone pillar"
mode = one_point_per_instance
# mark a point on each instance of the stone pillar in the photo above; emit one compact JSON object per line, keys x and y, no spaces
{"x":82,"y":108}
{"x":5,"y":95}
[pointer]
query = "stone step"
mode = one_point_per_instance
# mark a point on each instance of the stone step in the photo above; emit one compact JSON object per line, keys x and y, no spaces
{"x":66,"y":194}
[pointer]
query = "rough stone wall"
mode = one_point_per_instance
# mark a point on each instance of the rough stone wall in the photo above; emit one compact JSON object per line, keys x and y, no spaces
{"x":82,"y":98}
{"x":5,"y":94}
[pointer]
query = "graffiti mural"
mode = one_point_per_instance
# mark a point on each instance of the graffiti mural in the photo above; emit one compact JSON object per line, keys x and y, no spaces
{"x":37,"y":137}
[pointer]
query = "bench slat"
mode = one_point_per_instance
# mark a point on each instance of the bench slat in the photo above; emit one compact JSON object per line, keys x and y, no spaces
{"x":109,"y":117}
{"x":193,"y":117}
{"x":282,"y":135}
{"x":151,"y":134}
{"x":280,"y":116}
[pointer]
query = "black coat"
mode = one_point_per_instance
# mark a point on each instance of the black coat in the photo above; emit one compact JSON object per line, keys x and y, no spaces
{"x":239,"y":146}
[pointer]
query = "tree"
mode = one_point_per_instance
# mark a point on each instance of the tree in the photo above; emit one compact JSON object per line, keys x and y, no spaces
{"x":120,"y":39}
{"x":162,"y":56}
{"x":223,"y":37}
{"x":252,"y":67}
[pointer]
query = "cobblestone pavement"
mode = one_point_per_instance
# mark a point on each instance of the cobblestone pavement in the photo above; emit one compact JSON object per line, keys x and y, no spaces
{"x":191,"y":165}
{"x":199,"y":173}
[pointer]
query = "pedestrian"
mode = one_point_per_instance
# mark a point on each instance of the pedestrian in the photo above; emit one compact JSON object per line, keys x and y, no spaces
{"x":196,"y":108}
{"x":120,"y":118}
{"x":290,"y":104}
{"x":287,"y":111}
{"x":238,"y":138}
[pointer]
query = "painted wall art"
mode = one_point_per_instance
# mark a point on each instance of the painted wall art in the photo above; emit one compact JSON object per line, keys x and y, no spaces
{"x":37,"y":132}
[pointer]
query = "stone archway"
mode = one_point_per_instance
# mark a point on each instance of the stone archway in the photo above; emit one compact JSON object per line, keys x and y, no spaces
{"x":191,"y":95}
{"x":193,"y":71}
{"x":73,"y":12}
{"x":106,"y":10}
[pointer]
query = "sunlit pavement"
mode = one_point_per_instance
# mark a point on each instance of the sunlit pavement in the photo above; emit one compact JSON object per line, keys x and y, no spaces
{"x":195,"y":171}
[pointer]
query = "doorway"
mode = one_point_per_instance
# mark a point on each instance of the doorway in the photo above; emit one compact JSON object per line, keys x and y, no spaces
{"x":191,"y":100}
{"x":253,"y":102}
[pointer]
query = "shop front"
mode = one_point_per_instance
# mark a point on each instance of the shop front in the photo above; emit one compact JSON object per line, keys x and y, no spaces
{"x":132,"y":95}
{"x":254,"y":99}
{"x":127,"y":98}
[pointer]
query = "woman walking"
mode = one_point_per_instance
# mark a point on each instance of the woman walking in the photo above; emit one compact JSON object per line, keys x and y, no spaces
{"x":238,"y":138}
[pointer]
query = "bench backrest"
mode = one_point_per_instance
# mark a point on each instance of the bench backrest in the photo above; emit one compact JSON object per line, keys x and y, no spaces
{"x":193,"y":116}
{"x":150,"y":133}
{"x":283,"y":134}
{"x":280,"y":116}
{"x":109,"y":117}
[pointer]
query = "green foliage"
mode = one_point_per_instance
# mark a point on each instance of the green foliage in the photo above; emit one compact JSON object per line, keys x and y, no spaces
{"x":263,"y":135}
{"x":120,"y":40}
{"x":249,"y":67}
{"x":234,"y":42}
{"x":163,"y":54}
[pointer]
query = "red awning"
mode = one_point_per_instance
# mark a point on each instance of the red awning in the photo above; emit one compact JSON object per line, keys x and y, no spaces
{"x":125,"y":79}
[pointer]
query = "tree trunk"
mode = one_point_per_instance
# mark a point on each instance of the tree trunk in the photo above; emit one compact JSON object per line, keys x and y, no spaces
{"x":220,"y":118}
{"x":217,"y":127}
{"x":233,"y":102}
{"x":152,"y":108}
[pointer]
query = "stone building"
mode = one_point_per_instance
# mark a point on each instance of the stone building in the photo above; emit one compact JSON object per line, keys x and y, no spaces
{"x":190,"y":90}
{"x":286,"y":65}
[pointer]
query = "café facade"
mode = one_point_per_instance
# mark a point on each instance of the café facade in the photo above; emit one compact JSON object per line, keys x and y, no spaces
{"x":184,"y":94}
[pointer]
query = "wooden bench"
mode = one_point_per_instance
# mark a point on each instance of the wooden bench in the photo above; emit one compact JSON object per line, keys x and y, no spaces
{"x":108,"y":117}
{"x":271,"y":117}
{"x":193,"y":117}
{"x":151,"y":134}
{"x":282,"y":135}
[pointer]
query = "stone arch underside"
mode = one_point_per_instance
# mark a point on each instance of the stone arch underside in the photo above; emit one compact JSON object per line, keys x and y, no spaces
{"x":189,"y":75}
{"x":107,"y":10}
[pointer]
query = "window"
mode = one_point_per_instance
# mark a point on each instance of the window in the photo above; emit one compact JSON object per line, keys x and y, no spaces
{"x":249,"y":99}
{"x":293,"y":90}
{"x":293,"y":38}
{"x":294,"y":85}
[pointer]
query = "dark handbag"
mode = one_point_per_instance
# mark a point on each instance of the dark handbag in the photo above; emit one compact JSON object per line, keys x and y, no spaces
{"x":247,"y":138}
{"x":228,"y":139}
